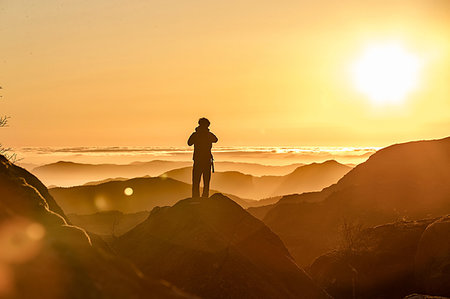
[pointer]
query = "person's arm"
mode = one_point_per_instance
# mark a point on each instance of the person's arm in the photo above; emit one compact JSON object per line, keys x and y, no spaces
{"x":214,"y":139}
{"x":191,"y":139}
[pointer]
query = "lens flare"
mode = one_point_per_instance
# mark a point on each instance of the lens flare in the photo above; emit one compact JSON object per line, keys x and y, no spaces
{"x":101,"y":203}
{"x":20,"y":240}
{"x":128,"y":191}
{"x":35,"y":231}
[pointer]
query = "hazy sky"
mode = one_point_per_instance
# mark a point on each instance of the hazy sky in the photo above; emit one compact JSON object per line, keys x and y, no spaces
{"x":110,"y":72}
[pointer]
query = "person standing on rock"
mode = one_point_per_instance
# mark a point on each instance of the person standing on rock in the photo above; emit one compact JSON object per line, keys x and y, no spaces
{"x":202,"y":139}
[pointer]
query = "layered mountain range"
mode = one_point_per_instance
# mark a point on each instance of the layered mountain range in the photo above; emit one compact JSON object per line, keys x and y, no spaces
{"x":306,"y":178}
{"x":66,"y":173}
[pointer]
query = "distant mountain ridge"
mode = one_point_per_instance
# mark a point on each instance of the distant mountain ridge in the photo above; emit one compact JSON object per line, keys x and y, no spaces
{"x":305,"y":178}
{"x":66,"y":173}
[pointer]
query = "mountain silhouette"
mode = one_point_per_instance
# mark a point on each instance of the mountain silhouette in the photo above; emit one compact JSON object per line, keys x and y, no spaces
{"x":43,"y":256}
{"x":404,"y":180}
{"x":215,"y":249}
{"x":66,"y":174}
{"x":306,"y":178}
{"x":147,"y":194}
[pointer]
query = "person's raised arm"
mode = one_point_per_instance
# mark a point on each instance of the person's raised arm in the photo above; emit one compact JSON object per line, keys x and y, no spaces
{"x":214,"y":139}
{"x":191,"y":139}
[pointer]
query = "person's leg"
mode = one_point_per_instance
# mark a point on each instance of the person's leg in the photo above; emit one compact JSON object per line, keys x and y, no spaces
{"x":206,"y":179}
{"x":196,"y":175}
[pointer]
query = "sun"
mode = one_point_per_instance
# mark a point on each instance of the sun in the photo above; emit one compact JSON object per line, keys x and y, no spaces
{"x":386,"y":73}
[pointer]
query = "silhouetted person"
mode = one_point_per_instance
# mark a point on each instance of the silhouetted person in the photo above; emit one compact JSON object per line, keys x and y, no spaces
{"x":202,"y":139}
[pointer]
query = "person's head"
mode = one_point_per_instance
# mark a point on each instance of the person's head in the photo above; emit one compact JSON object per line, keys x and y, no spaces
{"x":203,"y":122}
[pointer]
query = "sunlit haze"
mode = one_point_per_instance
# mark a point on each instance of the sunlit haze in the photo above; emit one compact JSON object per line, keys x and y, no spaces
{"x":224,"y":149}
{"x":386,"y":73}
{"x":290,"y":73}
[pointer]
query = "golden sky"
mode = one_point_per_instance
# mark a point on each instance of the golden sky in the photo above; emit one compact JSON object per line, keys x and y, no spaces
{"x":137,"y":72}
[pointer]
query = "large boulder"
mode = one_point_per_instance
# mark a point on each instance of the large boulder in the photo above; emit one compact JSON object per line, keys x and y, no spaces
{"x":433,"y":258}
{"x":42,"y":256}
{"x":378,"y":264}
{"x":215,"y":249}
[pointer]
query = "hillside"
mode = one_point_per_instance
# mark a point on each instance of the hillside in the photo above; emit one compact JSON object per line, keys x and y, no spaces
{"x":307,"y":178}
{"x":44,"y":256}
{"x":389,"y":261}
{"x":147,"y":194}
{"x":404,"y":180}
{"x":66,"y":174}
{"x":215,"y":249}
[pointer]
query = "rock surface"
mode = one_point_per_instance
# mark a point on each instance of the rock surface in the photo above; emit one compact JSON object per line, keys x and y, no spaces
{"x":215,"y":249}
{"x":433,"y":258}
{"x":390,"y":261}
{"x":41,"y":255}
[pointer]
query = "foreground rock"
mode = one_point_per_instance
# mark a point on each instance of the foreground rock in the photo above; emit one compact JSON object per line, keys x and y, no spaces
{"x":433,"y":258}
{"x":390,"y":261}
{"x":42,"y":256}
{"x":108,"y":225}
{"x":215,"y":249}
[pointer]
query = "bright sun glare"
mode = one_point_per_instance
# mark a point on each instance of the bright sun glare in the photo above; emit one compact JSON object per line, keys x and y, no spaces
{"x":386,"y":73}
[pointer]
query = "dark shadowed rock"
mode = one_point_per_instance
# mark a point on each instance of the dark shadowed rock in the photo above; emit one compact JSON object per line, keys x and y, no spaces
{"x":108,"y":224}
{"x":433,"y":258}
{"x":42,"y":256}
{"x":379,"y":264}
{"x":421,"y":296}
{"x":215,"y":249}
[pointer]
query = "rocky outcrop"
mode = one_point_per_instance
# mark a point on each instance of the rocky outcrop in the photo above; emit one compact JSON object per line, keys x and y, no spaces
{"x":215,"y":249}
{"x":432,"y":264}
{"x":421,"y":296}
{"x":41,"y":255}
{"x":390,"y":261}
